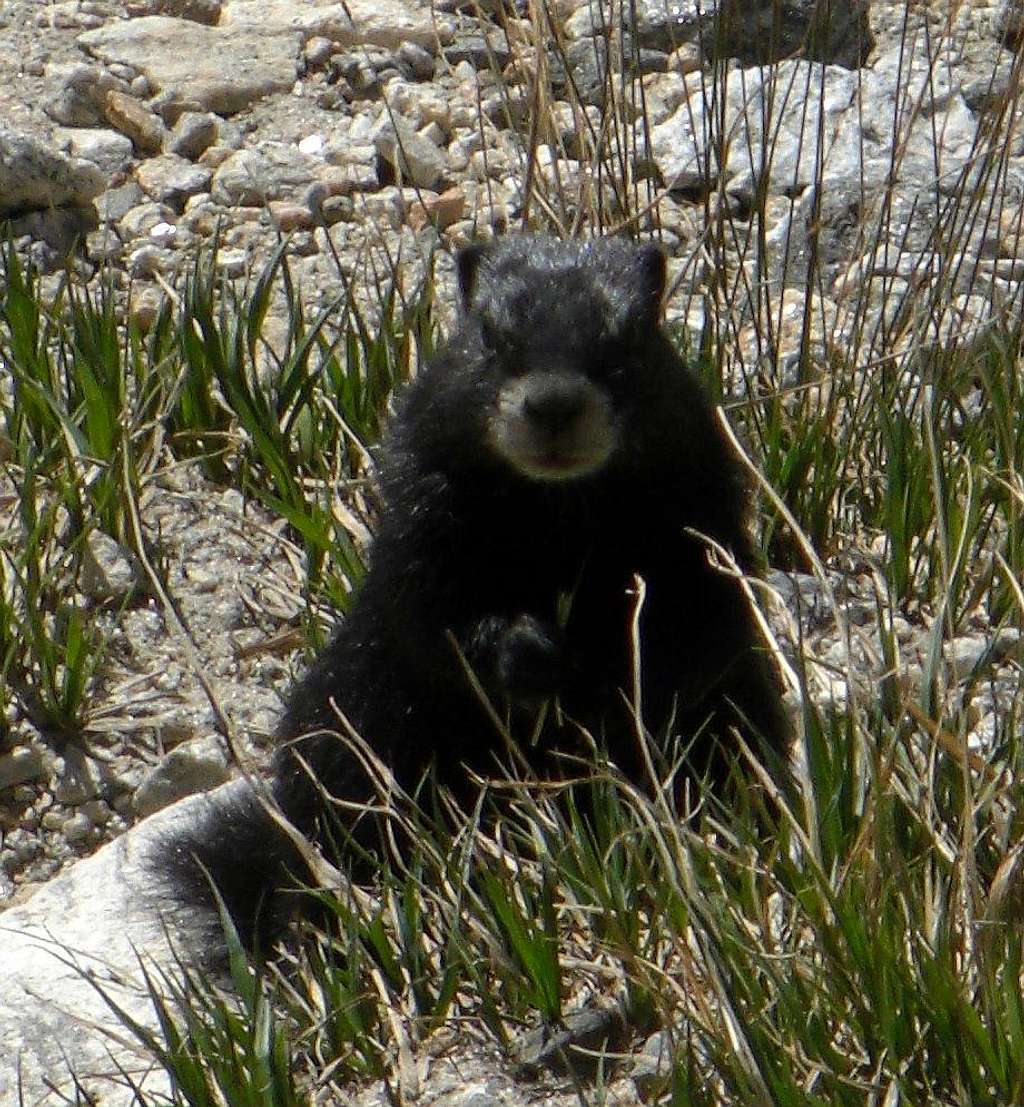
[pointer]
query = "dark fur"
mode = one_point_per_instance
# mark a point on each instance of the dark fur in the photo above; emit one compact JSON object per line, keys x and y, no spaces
{"x":471,"y":549}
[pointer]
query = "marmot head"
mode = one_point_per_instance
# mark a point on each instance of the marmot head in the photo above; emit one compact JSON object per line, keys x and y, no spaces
{"x":558,"y":324}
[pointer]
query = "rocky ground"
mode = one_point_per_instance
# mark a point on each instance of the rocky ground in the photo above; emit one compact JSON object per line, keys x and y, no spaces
{"x":380,"y":126}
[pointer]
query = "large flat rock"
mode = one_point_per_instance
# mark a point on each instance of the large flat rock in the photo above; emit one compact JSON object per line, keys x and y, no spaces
{"x":220,"y":69}
{"x":386,"y":23}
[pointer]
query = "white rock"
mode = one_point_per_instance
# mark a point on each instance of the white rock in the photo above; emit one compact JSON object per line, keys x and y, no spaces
{"x":686,"y":146}
{"x":89,"y":926}
{"x":163,"y":232}
{"x":312,"y":144}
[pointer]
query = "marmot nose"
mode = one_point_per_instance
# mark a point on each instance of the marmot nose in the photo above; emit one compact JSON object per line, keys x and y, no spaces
{"x":554,"y":403}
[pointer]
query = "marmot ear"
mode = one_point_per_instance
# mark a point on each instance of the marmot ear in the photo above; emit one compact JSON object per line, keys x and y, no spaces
{"x":467,"y":264}
{"x":650,"y":276}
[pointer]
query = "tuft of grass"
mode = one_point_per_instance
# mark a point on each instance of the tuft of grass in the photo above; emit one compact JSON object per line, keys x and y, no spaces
{"x":854,"y":949}
{"x":96,"y":407}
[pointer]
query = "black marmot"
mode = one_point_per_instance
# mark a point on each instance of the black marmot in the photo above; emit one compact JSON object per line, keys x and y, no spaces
{"x":555,"y":449}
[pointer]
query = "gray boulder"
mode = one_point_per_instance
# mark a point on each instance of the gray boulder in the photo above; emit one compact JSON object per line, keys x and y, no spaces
{"x":87,"y":932}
